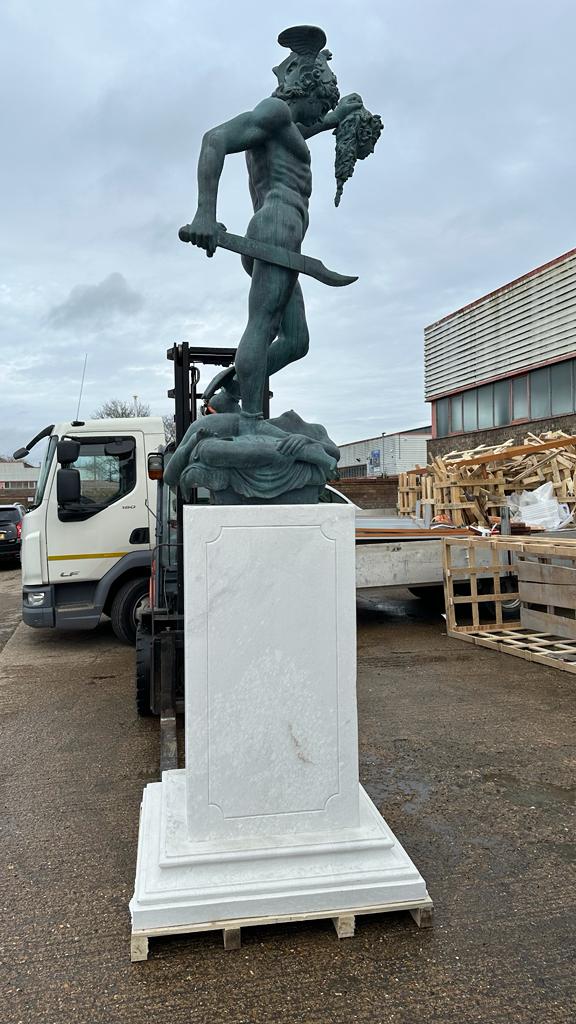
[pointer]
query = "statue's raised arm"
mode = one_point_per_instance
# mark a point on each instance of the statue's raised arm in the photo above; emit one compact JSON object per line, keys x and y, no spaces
{"x":246,"y":131}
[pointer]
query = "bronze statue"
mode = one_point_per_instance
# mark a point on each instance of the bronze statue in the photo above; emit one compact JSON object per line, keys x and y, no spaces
{"x":273,"y":136}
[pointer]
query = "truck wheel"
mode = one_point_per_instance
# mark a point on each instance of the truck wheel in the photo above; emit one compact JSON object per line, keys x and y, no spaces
{"x":124,"y":608}
{"x":143,"y":671}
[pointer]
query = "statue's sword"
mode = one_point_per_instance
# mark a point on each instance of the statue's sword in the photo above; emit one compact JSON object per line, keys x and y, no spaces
{"x":275,"y":254}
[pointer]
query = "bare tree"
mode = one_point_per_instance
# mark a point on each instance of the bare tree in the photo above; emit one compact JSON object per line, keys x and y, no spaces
{"x":169,"y":428}
{"x":117,"y":408}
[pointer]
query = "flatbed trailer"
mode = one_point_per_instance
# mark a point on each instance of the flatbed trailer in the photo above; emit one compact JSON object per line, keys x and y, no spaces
{"x":390,"y":552}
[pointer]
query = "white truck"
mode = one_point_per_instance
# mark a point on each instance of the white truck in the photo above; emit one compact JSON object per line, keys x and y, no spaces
{"x":87,"y":541}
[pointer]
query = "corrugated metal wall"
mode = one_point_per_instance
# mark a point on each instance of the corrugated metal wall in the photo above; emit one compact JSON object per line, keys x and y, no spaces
{"x":404,"y":451}
{"x":528,"y":322}
{"x":16,"y":471}
{"x":398,"y":452}
{"x":359,"y":451}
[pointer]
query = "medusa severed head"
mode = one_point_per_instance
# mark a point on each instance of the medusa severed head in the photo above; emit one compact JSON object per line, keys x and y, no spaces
{"x":305,"y":73}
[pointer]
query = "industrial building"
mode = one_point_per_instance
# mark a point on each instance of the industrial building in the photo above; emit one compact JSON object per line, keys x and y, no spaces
{"x":385,"y":455}
{"x":505,"y":364}
{"x":17,"y":482}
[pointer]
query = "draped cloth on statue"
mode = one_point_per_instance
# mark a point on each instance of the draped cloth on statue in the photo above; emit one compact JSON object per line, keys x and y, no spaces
{"x":260,"y":460}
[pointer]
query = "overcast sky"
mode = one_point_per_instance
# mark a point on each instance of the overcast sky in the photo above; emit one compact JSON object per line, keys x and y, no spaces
{"x":103,"y":109}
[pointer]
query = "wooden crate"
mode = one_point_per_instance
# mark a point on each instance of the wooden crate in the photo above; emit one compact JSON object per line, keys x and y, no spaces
{"x":546,"y":629}
{"x":487,"y":559}
{"x":548,"y":594}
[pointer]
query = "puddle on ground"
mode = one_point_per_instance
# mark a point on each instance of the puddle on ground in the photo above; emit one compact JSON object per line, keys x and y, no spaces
{"x":537,"y":794}
{"x":413,"y":792}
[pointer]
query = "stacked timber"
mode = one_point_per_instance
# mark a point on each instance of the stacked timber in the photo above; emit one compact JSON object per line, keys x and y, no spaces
{"x":470,"y":487}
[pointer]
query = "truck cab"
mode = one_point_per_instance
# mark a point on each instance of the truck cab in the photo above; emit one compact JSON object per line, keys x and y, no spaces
{"x":86,"y":543}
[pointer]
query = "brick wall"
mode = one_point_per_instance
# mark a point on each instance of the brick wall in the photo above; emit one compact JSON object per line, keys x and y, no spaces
{"x":365,"y":492}
{"x":459,"y":442}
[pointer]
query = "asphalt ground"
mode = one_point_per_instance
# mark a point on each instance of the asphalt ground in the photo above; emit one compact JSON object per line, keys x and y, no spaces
{"x":468,"y":754}
{"x":10,"y":591}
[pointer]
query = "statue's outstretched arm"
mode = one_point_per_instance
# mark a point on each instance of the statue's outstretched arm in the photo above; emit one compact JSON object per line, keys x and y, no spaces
{"x":235,"y":136}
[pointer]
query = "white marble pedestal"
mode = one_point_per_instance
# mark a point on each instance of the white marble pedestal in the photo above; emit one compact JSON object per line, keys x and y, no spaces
{"x":267,"y":822}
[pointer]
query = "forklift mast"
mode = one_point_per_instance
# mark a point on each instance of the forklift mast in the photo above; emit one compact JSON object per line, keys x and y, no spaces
{"x":186,"y":397}
{"x":160,"y":634}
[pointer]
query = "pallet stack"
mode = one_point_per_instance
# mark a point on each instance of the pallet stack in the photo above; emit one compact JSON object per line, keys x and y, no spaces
{"x":470,"y":487}
{"x":482,"y":576}
{"x":415,"y":486}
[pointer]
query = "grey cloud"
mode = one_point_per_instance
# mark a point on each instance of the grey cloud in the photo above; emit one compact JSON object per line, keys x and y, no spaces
{"x":470,"y":186}
{"x":96,"y":304}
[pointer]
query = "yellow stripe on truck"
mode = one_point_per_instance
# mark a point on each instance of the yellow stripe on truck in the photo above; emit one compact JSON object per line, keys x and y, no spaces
{"x":99,"y":554}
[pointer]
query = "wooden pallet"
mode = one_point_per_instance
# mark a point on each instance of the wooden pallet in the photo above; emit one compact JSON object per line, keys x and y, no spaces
{"x":344,"y":923}
{"x":488,"y":560}
{"x":555,"y":652}
{"x":546,"y":590}
{"x":548,"y":594}
{"x":471,"y":486}
{"x":413,"y":487}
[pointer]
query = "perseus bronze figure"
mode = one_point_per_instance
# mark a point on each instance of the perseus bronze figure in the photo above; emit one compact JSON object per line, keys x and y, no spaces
{"x":273,"y":135}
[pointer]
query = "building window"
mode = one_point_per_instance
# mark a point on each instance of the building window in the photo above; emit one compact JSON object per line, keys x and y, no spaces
{"x":520,"y":398}
{"x":501,"y":403}
{"x":442,"y":417}
{"x":486,"y":406}
{"x":469,"y":410}
{"x":540,"y":393}
{"x":350,"y":471}
{"x":548,"y":391}
{"x":561,"y":388}
{"x":456,"y":425}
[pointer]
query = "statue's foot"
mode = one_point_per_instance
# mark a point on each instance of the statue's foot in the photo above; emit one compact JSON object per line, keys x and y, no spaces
{"x":226,"y":379}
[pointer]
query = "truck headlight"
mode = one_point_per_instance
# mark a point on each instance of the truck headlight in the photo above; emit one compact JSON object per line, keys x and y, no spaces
{"x":37,"y":599}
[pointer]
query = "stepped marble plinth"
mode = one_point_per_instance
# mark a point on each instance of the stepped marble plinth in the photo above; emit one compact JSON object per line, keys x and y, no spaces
{"x":268,"y":820}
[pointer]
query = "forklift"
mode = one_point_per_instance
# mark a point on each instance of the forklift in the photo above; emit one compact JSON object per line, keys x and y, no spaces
{"x":160,"y":630}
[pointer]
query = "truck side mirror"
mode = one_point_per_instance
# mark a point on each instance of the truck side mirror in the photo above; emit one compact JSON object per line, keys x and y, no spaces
{"x":155,"y":466}
{"x":67,"y":486}
{"x":67,"y":451}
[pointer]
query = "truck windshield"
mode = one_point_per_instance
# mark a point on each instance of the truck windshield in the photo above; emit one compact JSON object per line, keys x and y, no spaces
{"x":44,"y":470}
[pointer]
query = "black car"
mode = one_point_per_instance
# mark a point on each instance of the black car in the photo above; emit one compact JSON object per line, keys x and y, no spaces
{"x":11,"y":517}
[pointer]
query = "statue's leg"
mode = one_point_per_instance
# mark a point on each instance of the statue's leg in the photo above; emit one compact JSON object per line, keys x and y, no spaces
{"x":293,"y":338}
{"x":270,"y":292}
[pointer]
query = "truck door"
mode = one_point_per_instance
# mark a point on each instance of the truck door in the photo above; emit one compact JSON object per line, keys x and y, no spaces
{"x":110,"y":521}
